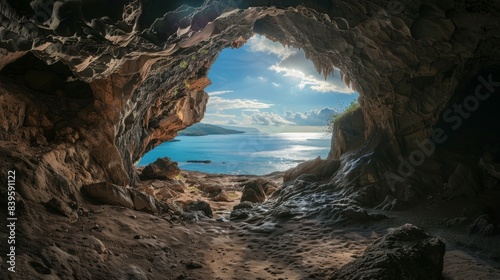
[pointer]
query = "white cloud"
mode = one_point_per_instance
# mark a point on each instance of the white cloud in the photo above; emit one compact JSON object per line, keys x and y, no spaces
{"x":318,"y":117}
{"x":219,"y":104}
{"x":217,"y":115}
{"x":220,"y":119}
{"x":249,"y":117}
{"x":233,"y":122}
{"x":269,"y":118}
{"x":260,"y":43}
{"x":219,"y":92}
{"x":312,"y":81}
{"x":293,"y":63}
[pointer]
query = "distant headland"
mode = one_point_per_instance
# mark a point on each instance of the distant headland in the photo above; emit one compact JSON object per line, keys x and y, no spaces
{"x":202,"y":129}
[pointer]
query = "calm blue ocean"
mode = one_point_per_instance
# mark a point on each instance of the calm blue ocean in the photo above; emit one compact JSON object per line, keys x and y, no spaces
{"x":248,"y":153}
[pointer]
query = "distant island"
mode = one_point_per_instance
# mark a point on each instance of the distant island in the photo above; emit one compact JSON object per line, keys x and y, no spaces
{"x":199,"y":161}
{"x":202,"y":129}
{"x":244,"y":129}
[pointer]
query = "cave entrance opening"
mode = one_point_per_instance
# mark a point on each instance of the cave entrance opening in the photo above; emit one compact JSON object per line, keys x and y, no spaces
{"x":268,"y":110}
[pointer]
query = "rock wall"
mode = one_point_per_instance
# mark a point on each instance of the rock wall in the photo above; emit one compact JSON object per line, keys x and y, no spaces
{"x":145,"y":63}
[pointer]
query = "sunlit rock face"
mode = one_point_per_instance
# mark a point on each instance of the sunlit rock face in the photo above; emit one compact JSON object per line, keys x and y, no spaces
{"x":125,"y":76}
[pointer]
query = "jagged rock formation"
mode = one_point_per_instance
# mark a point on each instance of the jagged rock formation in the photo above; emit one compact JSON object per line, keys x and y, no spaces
{"x":123,"y":77}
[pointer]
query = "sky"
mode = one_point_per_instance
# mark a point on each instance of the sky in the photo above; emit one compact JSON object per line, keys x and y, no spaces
{"x":272,"y":88}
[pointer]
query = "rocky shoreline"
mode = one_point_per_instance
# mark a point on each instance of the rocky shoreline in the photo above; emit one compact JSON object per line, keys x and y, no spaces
{"x":193,"y":225}
{"x":201,"y":237}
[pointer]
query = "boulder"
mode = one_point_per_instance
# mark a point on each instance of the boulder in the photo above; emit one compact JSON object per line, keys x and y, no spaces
{"x":406,"y":252}
{"x":143,"y":201}
{"x":200,"y":205}
{"x":162,"y":169}
{"x":109,"y":194}
{"x":257,"y":190}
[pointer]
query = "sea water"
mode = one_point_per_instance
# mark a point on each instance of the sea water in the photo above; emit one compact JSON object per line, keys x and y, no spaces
{"x":248,"y":153}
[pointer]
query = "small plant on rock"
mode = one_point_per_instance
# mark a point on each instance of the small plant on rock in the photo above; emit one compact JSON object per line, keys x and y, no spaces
{"x":336,"y":117}
{"x":183,"y":64}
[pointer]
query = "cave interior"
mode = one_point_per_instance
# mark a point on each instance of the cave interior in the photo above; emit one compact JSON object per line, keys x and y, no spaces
{"x":88,"y":87}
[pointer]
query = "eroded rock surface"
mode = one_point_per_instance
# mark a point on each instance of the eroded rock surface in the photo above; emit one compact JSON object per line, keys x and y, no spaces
{"x":87,"y":87}
{"x":405,"y":253}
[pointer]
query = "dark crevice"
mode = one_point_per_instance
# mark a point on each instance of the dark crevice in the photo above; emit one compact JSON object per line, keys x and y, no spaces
{"x":56,"y":79}
{"x":56,"y":95}
{"x":496,"y":155}
{"x":470,"y":121}
{"x":23,"y":7}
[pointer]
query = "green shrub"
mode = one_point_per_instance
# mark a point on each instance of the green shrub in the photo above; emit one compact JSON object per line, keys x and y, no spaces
{"x":338,"y":116}
{"x":351,"y":108}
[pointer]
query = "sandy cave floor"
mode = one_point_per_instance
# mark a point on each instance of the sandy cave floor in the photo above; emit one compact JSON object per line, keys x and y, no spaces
{"x":140,"y":244}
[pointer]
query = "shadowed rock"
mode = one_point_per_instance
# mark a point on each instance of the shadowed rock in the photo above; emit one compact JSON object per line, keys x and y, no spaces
{"x":405,"y":253}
